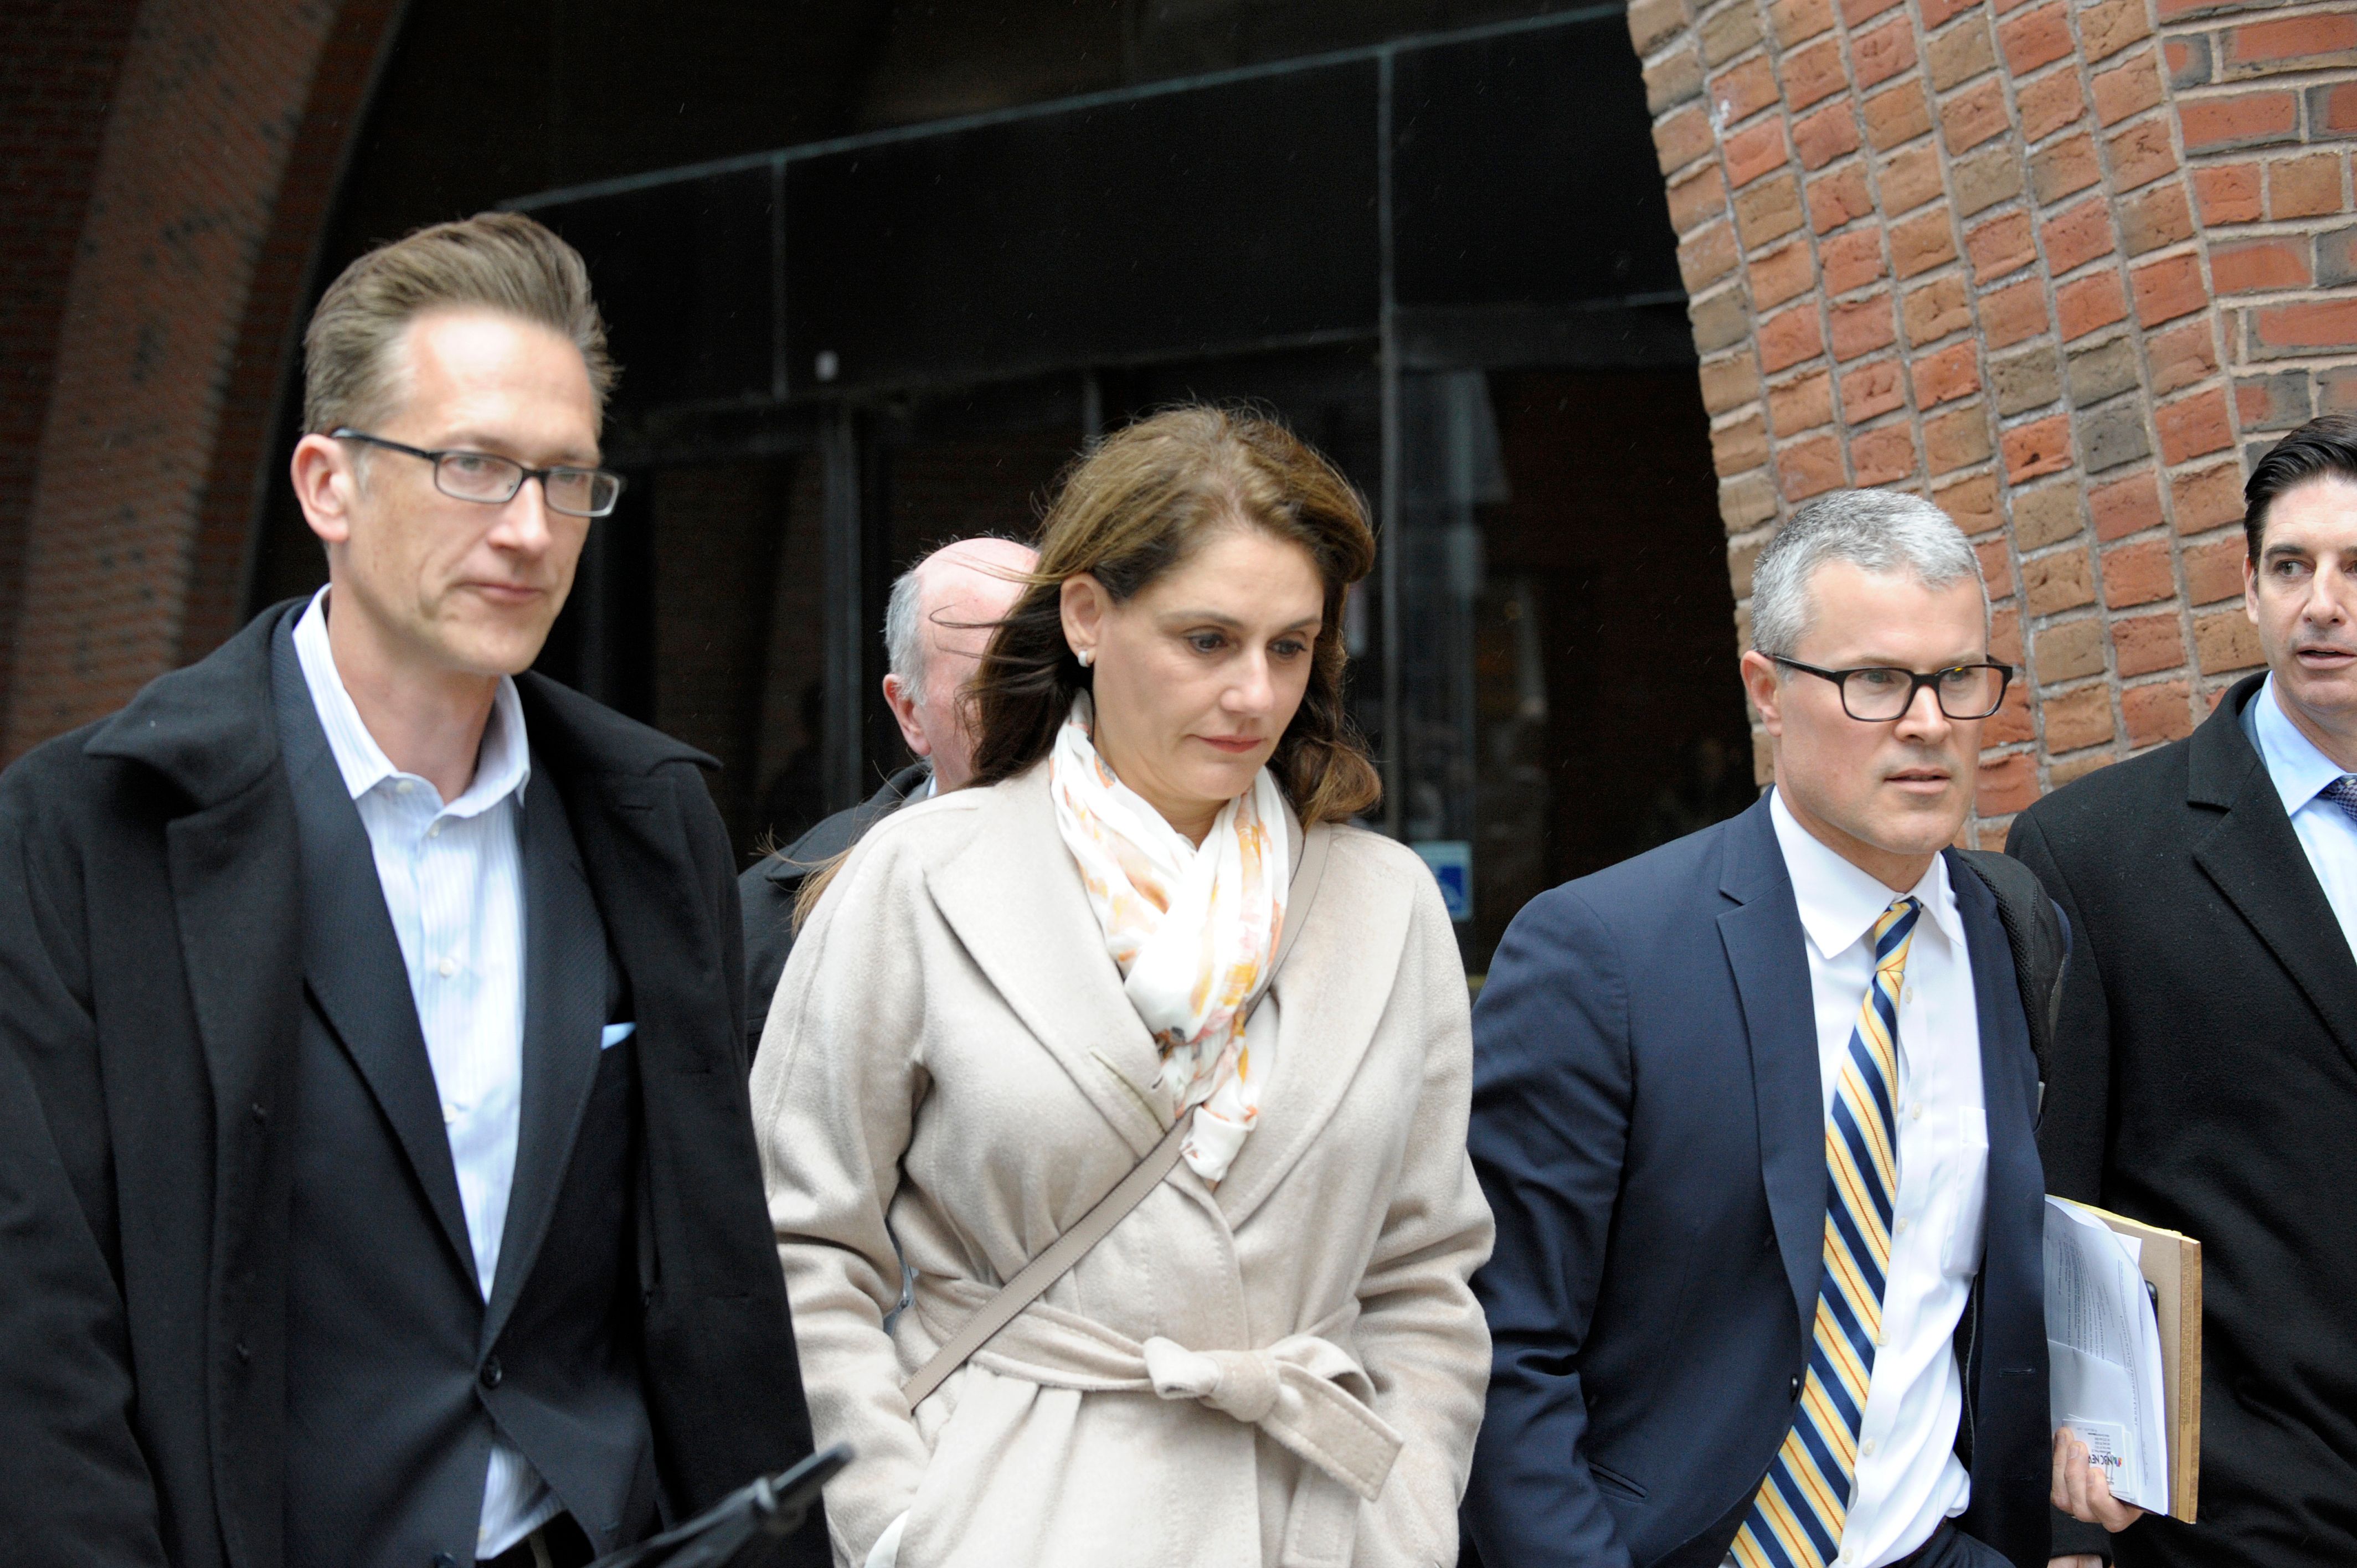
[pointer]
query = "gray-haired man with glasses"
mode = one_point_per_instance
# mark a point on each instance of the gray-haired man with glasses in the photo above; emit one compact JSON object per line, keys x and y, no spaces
{"x":1755,"y":1115}
{"x":1880,"y":693}
{"x":378,"y":1180}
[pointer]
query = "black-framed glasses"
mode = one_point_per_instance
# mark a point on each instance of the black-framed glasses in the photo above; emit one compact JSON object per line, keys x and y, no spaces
{"x":494,"y":480}
{"x":1880,"y":693}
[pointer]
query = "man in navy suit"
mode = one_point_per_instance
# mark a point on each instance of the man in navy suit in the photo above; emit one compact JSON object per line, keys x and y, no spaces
{"x":1756,"y":1113}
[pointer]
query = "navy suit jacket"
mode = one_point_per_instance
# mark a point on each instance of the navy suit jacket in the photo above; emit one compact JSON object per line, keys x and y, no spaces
{"x":1649,"y":1128}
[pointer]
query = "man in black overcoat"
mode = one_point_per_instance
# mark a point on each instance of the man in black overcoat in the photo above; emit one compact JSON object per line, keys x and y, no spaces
{"x":377,"y":1182}
{"x":936,"y":625}
{"x":2205,"y":1072}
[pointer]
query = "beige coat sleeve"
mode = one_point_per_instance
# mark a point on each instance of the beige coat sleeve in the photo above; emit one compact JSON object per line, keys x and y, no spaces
{"x":1421,"y":1333}
{"x":835,"y":1090}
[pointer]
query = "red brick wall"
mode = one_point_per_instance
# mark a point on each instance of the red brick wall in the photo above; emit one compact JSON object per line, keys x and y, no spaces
{"x":57,"y":71}
{"x":2052,"y":264}
{"x":270,"y":330}
{"x":208,"y":104}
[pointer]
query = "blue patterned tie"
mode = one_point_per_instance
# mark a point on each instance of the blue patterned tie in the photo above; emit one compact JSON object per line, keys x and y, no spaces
{"x":2342,"y":792}
{"x":1796,"y":1517}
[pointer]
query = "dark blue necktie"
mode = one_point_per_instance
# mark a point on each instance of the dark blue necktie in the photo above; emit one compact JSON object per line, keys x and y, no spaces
{"x":2342,"y":792}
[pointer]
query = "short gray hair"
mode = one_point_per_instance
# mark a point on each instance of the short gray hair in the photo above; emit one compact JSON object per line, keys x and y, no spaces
{"x":904,"y":632}
{"x":1876,"y":530}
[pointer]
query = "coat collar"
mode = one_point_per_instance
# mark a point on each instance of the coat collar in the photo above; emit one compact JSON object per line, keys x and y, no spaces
{"x":1328,"y":999}
{"x":1045,"y":955}
{"x":1768,"y":952}
{"x":2219,"y":757}
{"x":2254,"y":858}
{"x":208,"y":729}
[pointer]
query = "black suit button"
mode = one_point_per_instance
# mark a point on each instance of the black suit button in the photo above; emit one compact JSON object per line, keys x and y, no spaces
{"x":244,"y":1353}
{"x":1795,"y":1390}
{"x":491,"y":1374}
{"x":261,"y":1111}
{"x":444,"y":1560}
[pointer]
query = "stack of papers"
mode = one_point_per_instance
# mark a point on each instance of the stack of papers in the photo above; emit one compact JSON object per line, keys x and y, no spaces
{"x":2102,"y":1338}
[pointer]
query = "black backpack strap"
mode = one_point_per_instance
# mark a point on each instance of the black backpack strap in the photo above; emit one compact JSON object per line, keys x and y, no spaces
{"x":2041,"y":947}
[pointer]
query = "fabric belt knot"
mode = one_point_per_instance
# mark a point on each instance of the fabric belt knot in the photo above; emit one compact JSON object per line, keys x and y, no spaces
{"x":1304,"y":1392}
{"x":1308,"y":1392}
{"x":1243,"y":1383}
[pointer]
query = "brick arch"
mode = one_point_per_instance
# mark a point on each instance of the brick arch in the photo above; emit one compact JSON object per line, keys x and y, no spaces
{"x":227,"y":129}
{"x":2056,"y":265}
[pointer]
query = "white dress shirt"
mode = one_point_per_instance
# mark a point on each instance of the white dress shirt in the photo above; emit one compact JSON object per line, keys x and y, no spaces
{"x":453,"y":882}
{"x":2298,"y":770}
{"x":1907,"y":1477}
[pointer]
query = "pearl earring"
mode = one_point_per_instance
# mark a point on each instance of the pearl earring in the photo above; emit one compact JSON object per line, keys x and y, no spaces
{"x":1087,"y":656}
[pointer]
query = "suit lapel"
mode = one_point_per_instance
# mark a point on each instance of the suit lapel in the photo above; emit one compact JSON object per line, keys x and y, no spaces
{"x":564,"y":1002}
{"x":1328,"y":999}
{"x":1768,"y":952}
{"x":2003,"y":1321}
{"x":351,"y":959}
{"x":2255,"y":860}
{"x":235,"y":892}
{"x":2009,"y":1067}
{"x":1014,"y":900}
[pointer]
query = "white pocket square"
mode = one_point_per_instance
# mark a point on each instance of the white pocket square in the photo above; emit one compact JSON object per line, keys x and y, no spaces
{"x":615,"y":1033}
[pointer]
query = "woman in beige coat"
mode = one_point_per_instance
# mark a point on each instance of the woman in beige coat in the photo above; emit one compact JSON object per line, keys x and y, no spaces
{"x":1006,"y":997}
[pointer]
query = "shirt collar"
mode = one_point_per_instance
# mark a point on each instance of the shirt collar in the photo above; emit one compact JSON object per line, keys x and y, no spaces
{"x":2295,"y":765}
{"x":502,"y":766}
{"x":1838,"y":902}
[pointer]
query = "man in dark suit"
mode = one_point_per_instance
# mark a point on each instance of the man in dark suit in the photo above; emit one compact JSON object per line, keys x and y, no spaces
{"x":936,"y":625}
{"x":377,"y":1179}
{"x":2205,"y":1073}
{"x":1755,"y":1113}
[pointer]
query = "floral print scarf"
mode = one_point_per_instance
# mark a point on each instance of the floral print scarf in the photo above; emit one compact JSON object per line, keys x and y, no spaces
{"x":1192,"y":930}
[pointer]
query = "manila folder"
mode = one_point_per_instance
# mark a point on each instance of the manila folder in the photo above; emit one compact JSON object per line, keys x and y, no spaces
{"x":2171,"y":1263}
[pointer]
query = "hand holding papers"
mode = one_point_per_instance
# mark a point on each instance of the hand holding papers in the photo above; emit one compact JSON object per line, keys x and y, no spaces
{"x":2124,"y":1335}
{"x":2082,"y":1489}
{"x":2103,"y":1342}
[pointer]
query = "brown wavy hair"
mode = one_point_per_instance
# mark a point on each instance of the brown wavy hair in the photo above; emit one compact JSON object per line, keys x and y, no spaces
{"x":1134,"y":509}
{"x":1128,"y":512}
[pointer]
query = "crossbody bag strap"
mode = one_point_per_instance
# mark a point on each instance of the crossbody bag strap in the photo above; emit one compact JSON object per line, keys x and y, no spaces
{"x":1058,"y":1258}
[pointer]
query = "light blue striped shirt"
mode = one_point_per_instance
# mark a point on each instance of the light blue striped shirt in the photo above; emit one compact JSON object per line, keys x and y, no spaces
{"x":453,"y":881}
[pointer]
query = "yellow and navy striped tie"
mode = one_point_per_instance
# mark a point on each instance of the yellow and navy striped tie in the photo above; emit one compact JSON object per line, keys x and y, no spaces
{"x":1796,"y":1518}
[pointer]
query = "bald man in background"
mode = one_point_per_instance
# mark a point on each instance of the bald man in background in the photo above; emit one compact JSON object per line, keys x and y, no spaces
{"x":935,"y":628}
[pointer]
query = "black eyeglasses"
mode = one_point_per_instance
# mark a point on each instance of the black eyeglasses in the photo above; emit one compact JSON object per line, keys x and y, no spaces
{"x":1880,"y":693}
{"x":494,"y":481}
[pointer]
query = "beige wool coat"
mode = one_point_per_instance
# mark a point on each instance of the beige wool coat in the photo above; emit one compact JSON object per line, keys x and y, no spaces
{"x":1286,"y":1370}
